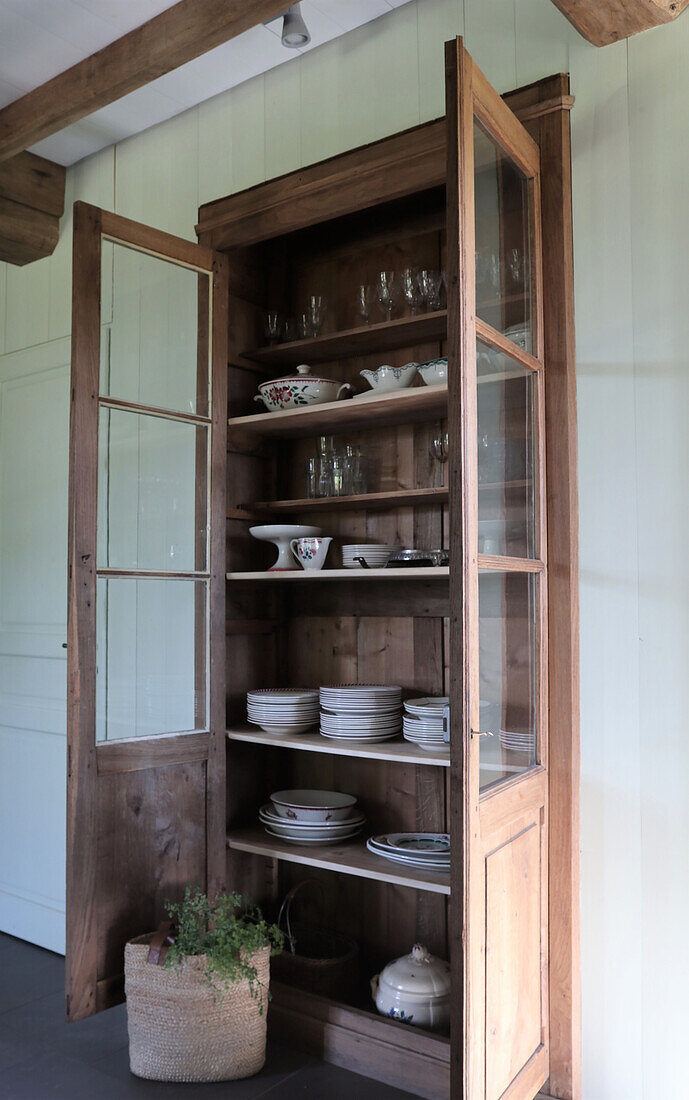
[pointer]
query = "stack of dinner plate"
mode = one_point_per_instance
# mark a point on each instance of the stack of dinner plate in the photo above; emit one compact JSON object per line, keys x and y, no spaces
{"x":423,"y":722}
{"x":361,"y":712}
{"x":283,"y":710}
{"x":518,"y":742}
{"x":374,"y":554}
{"x":425,"y":851}
{"x":312,"y":818}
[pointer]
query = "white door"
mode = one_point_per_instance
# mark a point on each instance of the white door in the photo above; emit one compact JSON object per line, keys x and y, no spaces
{"x":34,"y":439}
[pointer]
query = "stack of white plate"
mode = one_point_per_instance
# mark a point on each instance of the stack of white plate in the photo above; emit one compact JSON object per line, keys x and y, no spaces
{"x":428,"y":851}
{"x":283,"y":710}
{"x":361,"y":712}
{"x":423,"y":722}
{"x":518,"y":742}
{"x":374,"y":554}
{"x":312,"y":818}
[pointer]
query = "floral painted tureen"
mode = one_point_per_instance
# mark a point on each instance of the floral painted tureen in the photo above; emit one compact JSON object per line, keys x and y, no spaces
{"x":295,"y":390}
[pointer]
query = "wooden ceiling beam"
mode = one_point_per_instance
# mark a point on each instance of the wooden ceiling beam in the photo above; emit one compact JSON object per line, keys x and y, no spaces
{"x":179,"y":34}
{"x":32,"y":199}
{"x":603,"y":22}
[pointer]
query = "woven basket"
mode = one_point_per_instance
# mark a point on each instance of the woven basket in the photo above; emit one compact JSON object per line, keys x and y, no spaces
{"x":316,"y":959}
{"x":182,"y":1029}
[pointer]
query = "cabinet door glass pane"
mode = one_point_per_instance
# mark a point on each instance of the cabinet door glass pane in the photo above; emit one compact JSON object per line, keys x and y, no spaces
{"x":152,"y":499}
{"x":506,"y":455}
{"x":150,"y":653}
{"x":154,"y":351}
{"x":503,"y":243}
{"x":508,"y":647}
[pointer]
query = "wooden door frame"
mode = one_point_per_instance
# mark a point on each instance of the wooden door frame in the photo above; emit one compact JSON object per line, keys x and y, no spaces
{"x":87,"y":760}
{"x":392,"y":168}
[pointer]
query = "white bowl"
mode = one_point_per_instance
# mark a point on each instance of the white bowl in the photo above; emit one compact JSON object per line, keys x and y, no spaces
{"x":434,"y":372}
{"x":388,"y":378}
{"x":317,"y":807}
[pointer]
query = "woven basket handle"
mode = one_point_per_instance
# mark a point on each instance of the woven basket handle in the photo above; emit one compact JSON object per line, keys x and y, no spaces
{"x":286,"y":906}
{"x":161,"y":944}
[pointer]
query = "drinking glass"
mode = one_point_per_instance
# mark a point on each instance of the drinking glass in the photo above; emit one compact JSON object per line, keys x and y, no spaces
{"x":325,"y":466}
{"x":364,"y":297}
{"x":311,"y":478}
{"x":316,"y":312}
{"x":272,"y":326}
{"x":515,"y":262}
{"x":429,"y":283}
{"x":387,"y":290}
{"x":304,"y":326}
{"x":291,"y":329}
{"x":410,"y":289}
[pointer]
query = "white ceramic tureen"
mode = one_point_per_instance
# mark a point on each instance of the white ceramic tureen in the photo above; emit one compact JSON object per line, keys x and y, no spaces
{"x":295,"y":390}
{"x":415,"y":989}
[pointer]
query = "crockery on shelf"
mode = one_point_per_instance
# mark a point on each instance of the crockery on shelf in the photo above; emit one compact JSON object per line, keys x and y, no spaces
{"x":310,"y":552}
{"x":296,"y":832}
{"x":374,"y":555}
{"x":424,"y":722}
{"x":434,"y":372}
{"x":361,"y":712}
{"x":424,"y":851}
{"x":282,"y":711}
{"x":282,"y":534}
{"x":415,"y":989}
{"x":417,"y":558}
{"x":314,"y":807}
{"x":387,"y":378}
{"x":296,"y":390}
{"x":518,"y":742}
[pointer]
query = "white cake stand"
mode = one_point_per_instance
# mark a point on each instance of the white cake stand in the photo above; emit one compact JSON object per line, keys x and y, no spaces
{"x":281,"y":534}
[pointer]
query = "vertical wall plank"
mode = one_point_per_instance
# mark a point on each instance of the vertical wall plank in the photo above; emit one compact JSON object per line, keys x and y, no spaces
{"x":248,"y":134}
{"x":489,"y":36}
{"x":282,"y":120}
{"x":659,"y":115}
{"x":439,"y":21}
{"x":156,"y":178}
{"x":3,"y":306}
{"x":27,"y":305}
{"x":611,"y":947}
{"x":540,"y":30}
{"x":215,"y":153}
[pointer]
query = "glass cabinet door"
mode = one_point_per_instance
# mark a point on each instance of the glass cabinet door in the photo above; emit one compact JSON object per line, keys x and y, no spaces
{"x":146,"y":713}
{"x":498,"y":694}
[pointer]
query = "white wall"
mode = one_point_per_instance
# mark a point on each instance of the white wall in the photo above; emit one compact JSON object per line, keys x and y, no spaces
{"x":631,"y":160}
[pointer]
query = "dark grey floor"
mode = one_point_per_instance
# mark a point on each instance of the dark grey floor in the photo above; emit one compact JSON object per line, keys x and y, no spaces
{"x":41,"y":1055}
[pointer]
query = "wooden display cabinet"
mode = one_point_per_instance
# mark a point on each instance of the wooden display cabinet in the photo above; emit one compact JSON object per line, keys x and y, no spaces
{"x":476,"y":196}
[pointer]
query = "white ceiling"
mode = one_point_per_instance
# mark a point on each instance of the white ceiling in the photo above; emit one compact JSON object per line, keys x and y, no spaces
{"x":41,"y":38}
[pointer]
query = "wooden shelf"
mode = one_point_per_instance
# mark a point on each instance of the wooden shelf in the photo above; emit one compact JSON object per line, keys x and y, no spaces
{"x":400,"y":333}
{"x":431,"y":572}
{"x":379,"y":502}
{"x":351,"y":858}
{"x":371,"y":410}
{"x":403,"y":752}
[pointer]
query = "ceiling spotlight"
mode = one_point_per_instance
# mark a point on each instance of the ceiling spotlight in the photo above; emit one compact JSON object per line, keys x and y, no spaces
{"x":294,"y":30}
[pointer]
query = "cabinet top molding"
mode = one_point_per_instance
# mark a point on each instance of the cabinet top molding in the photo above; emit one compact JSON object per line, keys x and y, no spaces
{"x":605,"y":21}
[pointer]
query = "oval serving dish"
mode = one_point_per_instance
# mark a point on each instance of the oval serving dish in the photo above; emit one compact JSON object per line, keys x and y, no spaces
{"x":296,"y":390}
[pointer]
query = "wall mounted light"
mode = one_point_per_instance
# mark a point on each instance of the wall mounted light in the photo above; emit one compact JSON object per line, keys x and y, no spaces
{"x":295,"y":33}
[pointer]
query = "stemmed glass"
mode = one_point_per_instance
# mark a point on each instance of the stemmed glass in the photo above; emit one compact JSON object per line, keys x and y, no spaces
{"x":410,"y":289}
{"x":272,"y":326}
{"x":386,"y":288}
{"x":316,"y":311}
{"x":429,"y":283}
{"x":364,"y":297}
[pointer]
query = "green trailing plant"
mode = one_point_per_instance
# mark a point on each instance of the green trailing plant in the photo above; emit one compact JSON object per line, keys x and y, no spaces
{"x":228,"y":931}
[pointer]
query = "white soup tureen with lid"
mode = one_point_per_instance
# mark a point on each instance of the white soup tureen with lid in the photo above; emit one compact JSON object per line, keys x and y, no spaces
{"x":415,"y":989}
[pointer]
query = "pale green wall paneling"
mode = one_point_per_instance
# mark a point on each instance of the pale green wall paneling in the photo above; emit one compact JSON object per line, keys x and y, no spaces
{"x":630,"y":164}
{"x":282,"y":135}
{"x":611,"y":757}
{"x":659,"y":117}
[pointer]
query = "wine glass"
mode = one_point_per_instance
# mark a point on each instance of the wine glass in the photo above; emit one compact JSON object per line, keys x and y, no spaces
{"x":410,"y":289}
{"x":364,"y":297}
{"x":386,"y":288}
{"x":272,"y":326}
{"x":316,"y":312}
{"x":429,"y":283}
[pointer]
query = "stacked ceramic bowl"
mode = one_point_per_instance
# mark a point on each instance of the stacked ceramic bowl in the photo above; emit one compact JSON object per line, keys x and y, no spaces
{"x":518,"y":742}
{"x":361,"y":712}
{"x":312,"y":818}
{"x":423,"y":722}
{"x":374,"y":554}
{"x":283,"y":710}
{"x":426,"y":851}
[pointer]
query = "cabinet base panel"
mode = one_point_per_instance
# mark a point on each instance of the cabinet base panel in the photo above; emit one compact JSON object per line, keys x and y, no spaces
{"x":362,"y":1042}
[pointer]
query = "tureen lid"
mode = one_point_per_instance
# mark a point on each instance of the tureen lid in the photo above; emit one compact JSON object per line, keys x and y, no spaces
{"x":418,"y":972}
{"x":303,"y":374}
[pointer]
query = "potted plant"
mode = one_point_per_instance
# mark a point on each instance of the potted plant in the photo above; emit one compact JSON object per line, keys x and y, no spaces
{"x":197,"y":991}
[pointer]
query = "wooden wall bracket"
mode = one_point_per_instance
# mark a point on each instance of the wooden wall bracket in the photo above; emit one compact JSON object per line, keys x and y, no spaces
{"x":32,"y":200}
{"x":603,"y":22}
